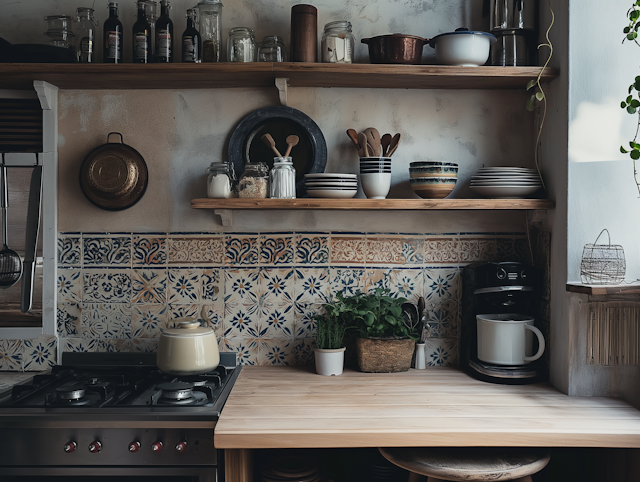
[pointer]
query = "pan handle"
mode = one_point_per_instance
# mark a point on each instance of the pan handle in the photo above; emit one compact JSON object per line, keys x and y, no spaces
{"x":115,"y":134}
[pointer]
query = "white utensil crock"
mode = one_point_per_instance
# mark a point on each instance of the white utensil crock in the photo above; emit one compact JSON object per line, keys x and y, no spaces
{"x":506,"y":339}
{"x":187,"y":350}
{"x":329,"y":362}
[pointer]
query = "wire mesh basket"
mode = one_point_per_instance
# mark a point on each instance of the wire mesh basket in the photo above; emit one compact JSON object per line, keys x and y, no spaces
{"x":602,"y":264}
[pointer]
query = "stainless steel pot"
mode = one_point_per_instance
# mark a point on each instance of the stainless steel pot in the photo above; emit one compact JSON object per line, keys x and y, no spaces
{"x":189,"y":349}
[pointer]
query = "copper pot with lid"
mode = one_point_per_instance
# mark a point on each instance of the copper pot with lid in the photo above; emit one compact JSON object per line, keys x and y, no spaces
{"x":395,"y":49}
{"x":114,"y":175}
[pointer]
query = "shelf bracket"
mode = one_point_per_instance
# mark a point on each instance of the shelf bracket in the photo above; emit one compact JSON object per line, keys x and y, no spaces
{"x":226,"y":216}
{"x":282,"y":84}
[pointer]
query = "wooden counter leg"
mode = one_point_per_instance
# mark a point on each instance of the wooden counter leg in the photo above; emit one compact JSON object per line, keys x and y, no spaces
{"x":238,"y":465}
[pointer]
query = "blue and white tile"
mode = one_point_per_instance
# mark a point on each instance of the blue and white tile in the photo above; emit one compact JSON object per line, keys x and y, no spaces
{"x":240,"y":323}
{"x":69,"y":251}
{"x":149,"y":250}
{"x":246,"y":348}
{"x":107,"y":251}
{"x":241,"y":290}
{"x":78,"y":345}
{"x":311,"y":285}
{"x":113,"y":346}
{"x":213,"y":317}
{"x":277,"y":322}
{"x":106,"y":285}
{"x":212,"y":281}
{"x":444,"y":319}
{"x":276,"y":250}
{"x":69,"y":285}
{"x":179,"y":311}
{"x":11,"y":355}
{"x":278,"y":286}
{"x":149,"y":286}
{"x":275,"y":351}
{"x":384,"y":250}
{"x":303,"y":351}
{"x":348,"y":281}
{"x":441,"y":352}
{"x":144,"y":345}
{"x":441,"y":284}
{"x":470,"y":249}
{"x":147,"y":320}
{"x":441,"y":250}
{"x":196,"y":250}
{"x":69,"y":319}
{"x":413,"y":250}
{"x":242,"y":250}
{"x":185,"y":285}
{"x":407,"y":283}
{"x":312,"y":249}
{"x":106,"y":320}
{"x":39,"y":354}
{"x":305,"y":324}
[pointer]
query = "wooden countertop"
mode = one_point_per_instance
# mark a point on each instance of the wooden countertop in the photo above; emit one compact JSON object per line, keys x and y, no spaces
{"x":289,"y":407}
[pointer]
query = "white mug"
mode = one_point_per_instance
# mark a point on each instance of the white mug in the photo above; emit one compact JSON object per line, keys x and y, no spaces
{"x":506,"y":339}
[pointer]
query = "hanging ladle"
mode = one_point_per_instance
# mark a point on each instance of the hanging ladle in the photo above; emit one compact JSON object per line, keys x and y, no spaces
{"x":10,"y":261}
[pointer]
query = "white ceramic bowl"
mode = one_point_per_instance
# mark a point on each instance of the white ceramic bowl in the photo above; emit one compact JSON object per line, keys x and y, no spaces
{"x":376,"y":185}
{"x":463,"y":48}
{"x":332,"y":193}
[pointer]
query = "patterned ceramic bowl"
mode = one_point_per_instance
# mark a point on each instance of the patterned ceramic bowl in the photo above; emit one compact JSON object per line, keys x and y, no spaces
{"x":432,"y":163}
{"x":433,"y":171}
{"x":433,"y":187}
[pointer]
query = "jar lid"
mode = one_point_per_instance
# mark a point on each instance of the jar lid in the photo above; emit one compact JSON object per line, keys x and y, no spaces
{"x":210,"y":2}
{"x":241,"y":30}
{"x":187,"y":328}
{"x":260,"y":168}
{"x":342,"y":24}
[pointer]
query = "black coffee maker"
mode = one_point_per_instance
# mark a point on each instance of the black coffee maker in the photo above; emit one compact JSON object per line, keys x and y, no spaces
{"x":495,"y":288}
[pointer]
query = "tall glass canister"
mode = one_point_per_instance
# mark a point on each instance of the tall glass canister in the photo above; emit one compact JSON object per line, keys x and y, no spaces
{"x":152,"y":16}
{"x":86,"y":48}
{"x":210,"y":28}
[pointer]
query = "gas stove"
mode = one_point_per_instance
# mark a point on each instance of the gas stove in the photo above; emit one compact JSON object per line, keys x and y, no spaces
{"x":113,"y":410}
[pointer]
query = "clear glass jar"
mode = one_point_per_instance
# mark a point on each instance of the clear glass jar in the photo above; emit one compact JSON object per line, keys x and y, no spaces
{"x":59,"y":23}
{"x":338,"y":43}
{"x":210,"y":25}
{"x":62,"y":39}
{"x":152,"y":15}
{"x":241,"y":46}
{"x":272,"y":49}
{"x":85,"y":48}
{"x":282,"y":179}
{"x":221,"y":180}
{"x":254,"y":181}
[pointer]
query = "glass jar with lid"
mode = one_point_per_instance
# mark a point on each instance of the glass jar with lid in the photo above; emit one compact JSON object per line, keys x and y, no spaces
{"x":59,"y":23}
{"x":62,"y":39}
{"x":338,"y":42}
{"x":221,"y":182}
{"x":254,"y":181}
{"x":85,"y":48}
{"x":282,"y":179}
{"x":241,"y":46}
{"x":210,"y":25}
{"x":272,"y":49}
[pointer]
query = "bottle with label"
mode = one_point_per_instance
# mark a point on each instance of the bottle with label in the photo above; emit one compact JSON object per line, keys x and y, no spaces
{"x":141,"y":36}
{"x":191,"y":42}
{"x":164,"y":34}
{"x":112,"y":38}
{"x":86,"y":35}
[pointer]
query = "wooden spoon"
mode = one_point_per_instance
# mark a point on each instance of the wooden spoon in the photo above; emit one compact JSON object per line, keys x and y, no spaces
{"x":292,"y":141}
{"x":394,"y":145}
{"x":373,"y":138}
{"x":353,"y":135}
{"x":362,"y":145}
{"x":385,"y":141}
{"x":268,"y":140}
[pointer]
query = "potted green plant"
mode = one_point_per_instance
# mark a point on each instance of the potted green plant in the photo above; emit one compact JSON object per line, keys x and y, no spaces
{"x":330,"y":331}
{"x":385,"y":337}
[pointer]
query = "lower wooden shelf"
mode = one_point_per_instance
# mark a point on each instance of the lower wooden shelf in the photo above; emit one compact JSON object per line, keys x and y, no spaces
{"x":631,"y":289}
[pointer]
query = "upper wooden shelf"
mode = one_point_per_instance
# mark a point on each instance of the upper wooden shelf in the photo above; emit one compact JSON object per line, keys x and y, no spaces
{"x":373,"y":204}
{"x":263,"y":74}
{"x":605,"y":290}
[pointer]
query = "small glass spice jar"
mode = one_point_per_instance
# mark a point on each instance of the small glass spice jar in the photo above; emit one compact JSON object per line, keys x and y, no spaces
{"x":221,"y":180}
{"x":241,"y":46}
{"x":338,"y":42}
{"x":282,"y":179}
{"x":254,"y":181}
{"x":272,"y":49}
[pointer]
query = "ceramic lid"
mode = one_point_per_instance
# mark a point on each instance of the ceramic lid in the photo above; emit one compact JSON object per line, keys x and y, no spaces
{"x":188,"y":328}
{"x":463,"y":31}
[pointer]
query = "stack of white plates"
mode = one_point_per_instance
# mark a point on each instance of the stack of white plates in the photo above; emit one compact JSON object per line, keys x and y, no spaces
{"x":506,"y":182}
{"x":331,"y":185}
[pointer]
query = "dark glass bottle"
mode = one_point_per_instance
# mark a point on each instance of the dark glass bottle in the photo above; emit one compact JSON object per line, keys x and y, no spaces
{"x":112,"y":37}
{"x":164,"y":34}
{"x":191,"y":41}
{"x":141,"y":36}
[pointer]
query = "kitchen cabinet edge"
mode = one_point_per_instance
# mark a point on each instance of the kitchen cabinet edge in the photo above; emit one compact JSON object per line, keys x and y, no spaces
{"x":628,"y":290}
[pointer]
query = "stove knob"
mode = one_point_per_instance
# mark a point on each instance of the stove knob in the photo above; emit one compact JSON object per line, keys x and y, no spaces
{"x":181,"y":446}
{"x":70,"y":447}
{"x":501,"y":274}
{"x":156,"y":446}
{"x":95,"y":447}
{"x":134,"y":446}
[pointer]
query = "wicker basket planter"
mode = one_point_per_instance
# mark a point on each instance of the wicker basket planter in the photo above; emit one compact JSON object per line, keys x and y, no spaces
{"x":379,"y":355}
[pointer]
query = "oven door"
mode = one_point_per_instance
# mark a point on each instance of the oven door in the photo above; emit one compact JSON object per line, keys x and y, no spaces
{"x":110,"y":474}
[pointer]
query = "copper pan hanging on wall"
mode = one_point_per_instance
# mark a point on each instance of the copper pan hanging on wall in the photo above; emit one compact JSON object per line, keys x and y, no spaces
{"x":114,"y":175}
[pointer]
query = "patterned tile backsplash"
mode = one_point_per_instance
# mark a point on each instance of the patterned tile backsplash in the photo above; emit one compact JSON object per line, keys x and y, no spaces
{"x":259,"y":292}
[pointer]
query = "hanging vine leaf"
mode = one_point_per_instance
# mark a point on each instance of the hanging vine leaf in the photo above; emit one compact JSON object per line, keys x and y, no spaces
{"x":531,"y":103}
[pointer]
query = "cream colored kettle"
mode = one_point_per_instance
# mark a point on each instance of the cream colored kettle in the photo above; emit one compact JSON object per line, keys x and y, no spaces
{"x":189,"y":349}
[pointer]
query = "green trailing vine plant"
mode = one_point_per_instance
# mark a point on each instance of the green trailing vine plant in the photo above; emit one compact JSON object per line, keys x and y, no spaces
{"x":632,"y":102}
{"x":538,"y":94}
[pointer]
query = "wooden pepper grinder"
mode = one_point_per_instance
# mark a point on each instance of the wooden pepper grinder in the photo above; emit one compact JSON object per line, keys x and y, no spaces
{"x":304,"y":33}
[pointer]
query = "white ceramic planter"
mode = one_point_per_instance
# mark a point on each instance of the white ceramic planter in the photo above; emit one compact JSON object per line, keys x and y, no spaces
{"x":329,"y":362}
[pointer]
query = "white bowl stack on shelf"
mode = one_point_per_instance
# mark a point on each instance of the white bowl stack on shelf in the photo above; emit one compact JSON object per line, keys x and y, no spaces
{"x":331,"y":185}
{"x":506,"y":182}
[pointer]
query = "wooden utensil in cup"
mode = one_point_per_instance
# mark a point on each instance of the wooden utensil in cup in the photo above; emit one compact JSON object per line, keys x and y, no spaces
{"x":385,"y":141}
{"x":353,"y":135}
{"x":394,"y":145}
{"x":268,"y":140}
{"x":362,"y":143}
{"x":292,"y":141}
{"x":373,"y":138}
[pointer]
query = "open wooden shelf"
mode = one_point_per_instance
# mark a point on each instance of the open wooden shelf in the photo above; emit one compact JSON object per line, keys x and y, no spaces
{"x":373,"y":204}
{"x":605,"y":290}
{"x":263,"y":74}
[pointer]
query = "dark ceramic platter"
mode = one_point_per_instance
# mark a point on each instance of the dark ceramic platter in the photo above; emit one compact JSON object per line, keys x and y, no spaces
{"x":246,"y":146}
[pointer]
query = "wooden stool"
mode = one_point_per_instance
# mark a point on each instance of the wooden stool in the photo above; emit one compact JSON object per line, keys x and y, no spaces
{"x":473,"y":464}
